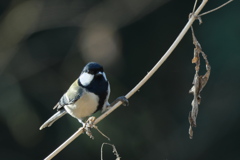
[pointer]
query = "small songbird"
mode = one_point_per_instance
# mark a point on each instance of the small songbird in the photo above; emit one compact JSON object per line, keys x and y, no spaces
{"x":87,"y":95}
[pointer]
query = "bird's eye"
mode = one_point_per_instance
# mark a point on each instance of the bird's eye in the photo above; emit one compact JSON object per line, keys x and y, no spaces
{"x":90,"y":72}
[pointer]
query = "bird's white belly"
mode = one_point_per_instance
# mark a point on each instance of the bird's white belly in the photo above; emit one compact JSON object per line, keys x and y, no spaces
{"x":83,"y":107}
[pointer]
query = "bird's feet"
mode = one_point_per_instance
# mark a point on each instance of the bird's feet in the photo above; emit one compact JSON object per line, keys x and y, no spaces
{"x":88,"y":125}
{"x":123,"y":99}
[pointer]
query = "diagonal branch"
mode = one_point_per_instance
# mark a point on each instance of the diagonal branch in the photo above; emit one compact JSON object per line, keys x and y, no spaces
{"x":140,"y":84}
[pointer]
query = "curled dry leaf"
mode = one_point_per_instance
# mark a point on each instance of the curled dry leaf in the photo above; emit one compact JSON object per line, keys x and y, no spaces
{"x":199,"y":83}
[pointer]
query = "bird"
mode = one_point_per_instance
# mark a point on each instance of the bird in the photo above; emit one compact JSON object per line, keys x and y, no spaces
{"x":88,"y":94}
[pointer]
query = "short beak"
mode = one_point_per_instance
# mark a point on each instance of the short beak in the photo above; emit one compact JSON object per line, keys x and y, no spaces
{"x":99,"y":74}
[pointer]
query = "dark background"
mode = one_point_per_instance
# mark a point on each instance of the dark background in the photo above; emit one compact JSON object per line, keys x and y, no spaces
{"x":45,"y":44}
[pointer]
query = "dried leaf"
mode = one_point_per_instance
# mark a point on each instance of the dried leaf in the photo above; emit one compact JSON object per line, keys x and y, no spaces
{"x":199,"y":83}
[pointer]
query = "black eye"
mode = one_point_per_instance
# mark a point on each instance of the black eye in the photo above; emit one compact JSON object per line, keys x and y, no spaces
{"x":90,"y":71}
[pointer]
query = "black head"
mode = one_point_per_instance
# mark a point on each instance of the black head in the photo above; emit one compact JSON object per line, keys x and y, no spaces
{"x":92,"y":71}
{"x":93,"y":68}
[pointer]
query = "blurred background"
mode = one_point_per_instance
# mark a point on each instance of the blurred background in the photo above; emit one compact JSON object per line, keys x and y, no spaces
{"x":45,"y":44}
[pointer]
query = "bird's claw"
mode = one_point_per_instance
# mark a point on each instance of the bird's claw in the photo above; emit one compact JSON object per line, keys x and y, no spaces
{"x":88,"y":125}
{"x":123,"y":99}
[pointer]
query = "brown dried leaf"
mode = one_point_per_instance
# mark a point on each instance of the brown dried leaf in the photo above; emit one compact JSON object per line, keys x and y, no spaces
{"x":199,"y":83}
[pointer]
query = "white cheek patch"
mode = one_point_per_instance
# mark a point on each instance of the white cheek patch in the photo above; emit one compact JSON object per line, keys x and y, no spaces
{"x":86,"y":78}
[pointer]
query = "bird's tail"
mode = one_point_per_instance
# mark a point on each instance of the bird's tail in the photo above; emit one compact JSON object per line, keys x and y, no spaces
{"x":52,"y":119}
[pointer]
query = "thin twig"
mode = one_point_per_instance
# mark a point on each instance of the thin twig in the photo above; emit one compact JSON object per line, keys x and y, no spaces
{"x":141,"y":83}
{"x":101,"y":132}
{"x":195,"y":5}
{"x":114,"y":151}
{"x":215,"y":8}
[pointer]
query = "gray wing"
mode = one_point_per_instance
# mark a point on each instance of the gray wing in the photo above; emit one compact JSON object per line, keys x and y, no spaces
{"x":72,"y":95}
